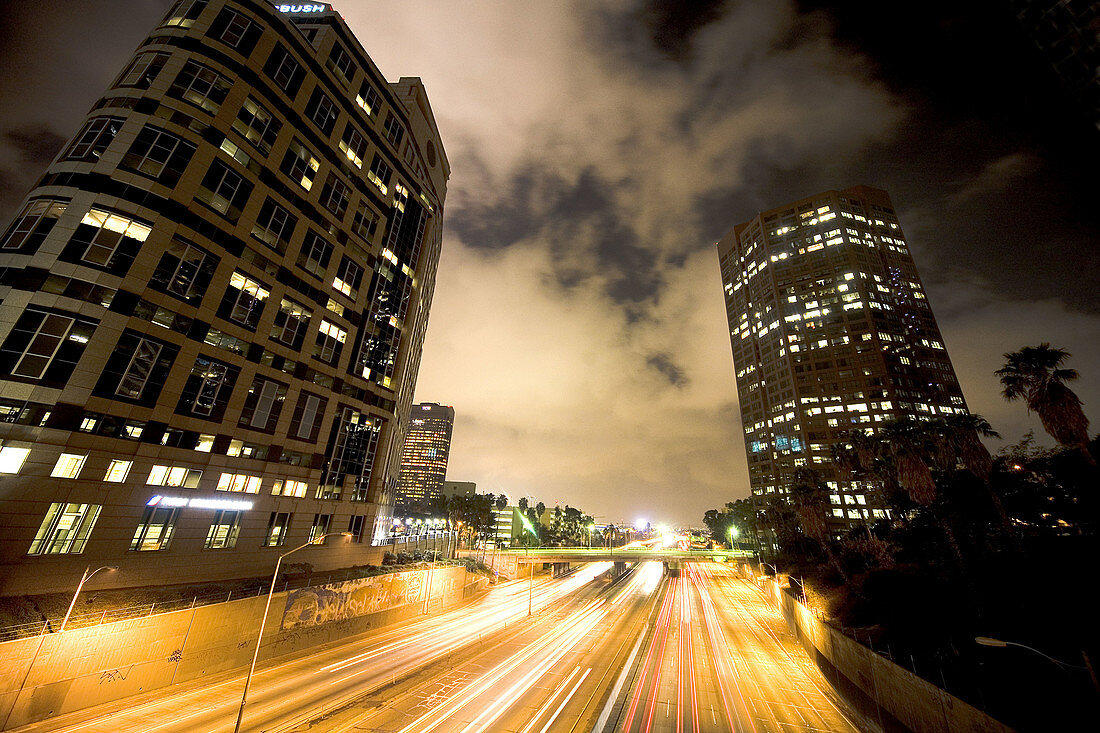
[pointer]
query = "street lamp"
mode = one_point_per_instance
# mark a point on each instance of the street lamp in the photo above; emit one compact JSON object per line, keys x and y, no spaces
{"x":591,"y":529}
{"x":83,"y":579}
{"x":263,"y":621}
{"x":733,"y":535}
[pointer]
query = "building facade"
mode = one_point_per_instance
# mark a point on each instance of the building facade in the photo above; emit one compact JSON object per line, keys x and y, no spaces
{"x":831,"y":332}
{"x":459,"y":488}
{"x":424,"y":457}
{"x":213,"y":307}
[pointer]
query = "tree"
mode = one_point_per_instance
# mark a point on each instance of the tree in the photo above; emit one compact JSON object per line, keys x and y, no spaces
{"x":811,"y":500}
{"x":1036,"y":375}
{"x":523,"y":504}
{"x":540,"y":509}
{"x":501,"y":501}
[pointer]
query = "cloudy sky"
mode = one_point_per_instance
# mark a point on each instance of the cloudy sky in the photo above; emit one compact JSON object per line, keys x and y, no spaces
{"x":600,"y":148}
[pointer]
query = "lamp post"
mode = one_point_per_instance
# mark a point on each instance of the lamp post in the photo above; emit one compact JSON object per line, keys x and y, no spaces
{"x":988,"y":641}
{"x":84,"y":579}
{"x":42,"y":637}
{"x":263,"y":621}
{"x":591,"y":529}
{"x":733,"y":536}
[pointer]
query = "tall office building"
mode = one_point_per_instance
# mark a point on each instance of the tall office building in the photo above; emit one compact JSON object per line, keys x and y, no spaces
{"x":831,"y":331}
{"x":424,"y":457}
{"x":213,"y":307}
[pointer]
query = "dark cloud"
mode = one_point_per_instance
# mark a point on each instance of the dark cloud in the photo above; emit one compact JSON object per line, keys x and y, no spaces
{"x":29,"y":149}
{"x":673,"y":23}
{"x":664,"y":364}
{"x":579,"y":222}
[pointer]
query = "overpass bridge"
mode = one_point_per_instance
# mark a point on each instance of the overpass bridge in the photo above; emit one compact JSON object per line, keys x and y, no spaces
{"x":524,"y":555}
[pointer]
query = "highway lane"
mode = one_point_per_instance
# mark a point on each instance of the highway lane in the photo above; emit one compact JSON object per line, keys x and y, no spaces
{"x":292,"y":689}
{"x":719,"y":659}
{"x":558,"y":674}
{"x":701,"y":653}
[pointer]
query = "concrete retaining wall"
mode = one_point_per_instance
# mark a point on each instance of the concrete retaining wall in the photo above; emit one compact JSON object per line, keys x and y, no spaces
{"x":887,"y":695}
{"x":54,"y":674}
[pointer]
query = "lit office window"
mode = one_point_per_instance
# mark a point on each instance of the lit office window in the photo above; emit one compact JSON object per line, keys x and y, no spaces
{"x":68,"y":465}
{"x":65,"y":529}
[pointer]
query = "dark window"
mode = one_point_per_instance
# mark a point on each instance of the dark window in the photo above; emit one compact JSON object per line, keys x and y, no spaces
{"x":395,"y":132}
{"x":156,"y":529}
{"x":379,"y":173}
{"x":94,"y":139}
{"x":315,"y":254}
{"x":184,"y":13}
{"x":365,"y":221}
{"x":44,"y":346}
{"x":263,"y":404}
{"x":143,"y":70}
{"x":106,"y":241}
{"x":335,"y":195}
{"x":284,"y":70}
{"x":201,"y":86}
{"x":277,"y":527}
{"x":319,"y":528}
{"x":368,"y":99}
{"x":305,"y":424}
{"x":348,"y":277}
{"x":236,"y":29}
{"x":355,"y":527}
{"x":274,"y":226}
{"x":340,"y":62}
{"x":158,"y":154}
{"x":300,"y":165}
{"x":244,"y":300}
{"x":351,"y":451}
{"x":257,"y":125}
{"x":322,"y":110}
{"x":30,"y":228}
{"x":353,"y":144}
{"x":137,"y":369}
{"x":291,"y":323}
{"x":185,"y":270}
{"x":224,"y":190}
{"x":207,"y":389}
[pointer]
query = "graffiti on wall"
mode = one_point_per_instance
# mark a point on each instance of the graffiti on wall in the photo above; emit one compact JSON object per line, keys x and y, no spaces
{"x":340,"y":601}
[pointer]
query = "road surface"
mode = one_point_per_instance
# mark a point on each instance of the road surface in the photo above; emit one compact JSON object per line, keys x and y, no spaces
{"x":701,"y":653}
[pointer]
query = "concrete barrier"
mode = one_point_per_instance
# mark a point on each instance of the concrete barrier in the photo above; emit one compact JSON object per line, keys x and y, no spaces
{"x":887,"y":696}
{"x":53,"y":674}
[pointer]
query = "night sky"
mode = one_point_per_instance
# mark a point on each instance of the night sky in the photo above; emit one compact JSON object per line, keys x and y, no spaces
{"x":598,"y":151}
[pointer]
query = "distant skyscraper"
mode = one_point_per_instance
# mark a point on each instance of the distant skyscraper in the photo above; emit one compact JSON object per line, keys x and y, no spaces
{"x":424,"y":457}
{"x":213,"y":304}
{"x":831,"y":331}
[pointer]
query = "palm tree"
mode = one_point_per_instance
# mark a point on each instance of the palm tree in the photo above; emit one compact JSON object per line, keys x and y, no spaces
{"x":811,"y":499}
{"x":1036,"y":375}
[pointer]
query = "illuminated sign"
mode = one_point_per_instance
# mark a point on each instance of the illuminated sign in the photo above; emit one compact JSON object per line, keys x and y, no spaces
{"x":302,"y":8}
{"x":199,"y":503}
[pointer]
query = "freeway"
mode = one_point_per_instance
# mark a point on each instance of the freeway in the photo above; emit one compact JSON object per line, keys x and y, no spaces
{"x":301,"y":688}
{"x":699,"y":652}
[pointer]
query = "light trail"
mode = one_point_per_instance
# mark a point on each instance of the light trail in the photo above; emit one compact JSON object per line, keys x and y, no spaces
{"x":550,"y":701}
{"x":571,"y":630}
{"x":564,"y":702}
{"x":719,"y":651}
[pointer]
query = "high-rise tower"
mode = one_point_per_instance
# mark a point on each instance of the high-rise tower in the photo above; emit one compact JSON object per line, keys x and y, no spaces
{"x":424,"y":459}
{"x":831,"y":332}
{"x":213,"y":306}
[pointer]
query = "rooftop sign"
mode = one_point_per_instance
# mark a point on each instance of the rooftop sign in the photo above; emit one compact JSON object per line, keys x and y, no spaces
{"x":301,"y":7}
